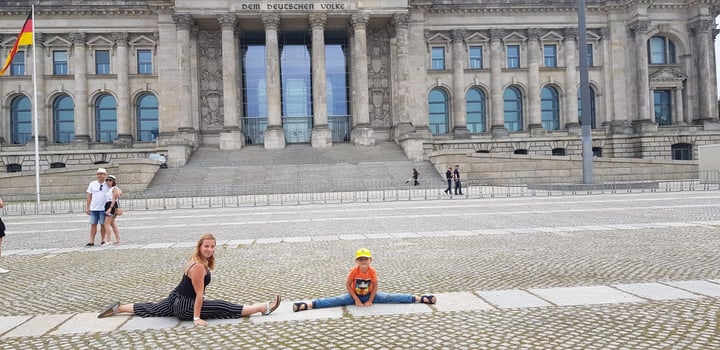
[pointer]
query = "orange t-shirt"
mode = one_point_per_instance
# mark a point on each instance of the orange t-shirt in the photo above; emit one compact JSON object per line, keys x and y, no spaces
{"x":362,"y":280}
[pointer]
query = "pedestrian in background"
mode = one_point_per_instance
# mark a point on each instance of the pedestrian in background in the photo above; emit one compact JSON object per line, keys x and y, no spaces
{"x":2,"y":234}
{"x":96,"y":197}
{"x":456,"y":176}
{"x":414,"y":177}
{"x":111,"y":209}
{"x":449,"y":177}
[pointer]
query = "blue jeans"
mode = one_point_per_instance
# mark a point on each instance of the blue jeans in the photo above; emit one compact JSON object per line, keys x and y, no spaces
{"x":97,"y":217}
{"x":380,"y":298}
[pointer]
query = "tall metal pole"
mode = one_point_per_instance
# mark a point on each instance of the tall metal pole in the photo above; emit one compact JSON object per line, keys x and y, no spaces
{"x":585,"y":97}
{"x":35,"y":115}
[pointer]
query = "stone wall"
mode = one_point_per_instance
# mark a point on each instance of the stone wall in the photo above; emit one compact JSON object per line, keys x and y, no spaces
{"x":25,"y":156}
{"x":134,"y":175}
{"x":501,"y":169}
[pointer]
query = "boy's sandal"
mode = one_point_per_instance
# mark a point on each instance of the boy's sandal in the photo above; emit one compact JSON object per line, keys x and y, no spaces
{"x":269,"y":309}
{"x":110,"y":311}
{"x":301,"y":306}
{"x":428,"y":299}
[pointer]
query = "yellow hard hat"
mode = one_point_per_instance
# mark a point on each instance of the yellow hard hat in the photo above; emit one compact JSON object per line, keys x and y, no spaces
{"x":363,"y":253}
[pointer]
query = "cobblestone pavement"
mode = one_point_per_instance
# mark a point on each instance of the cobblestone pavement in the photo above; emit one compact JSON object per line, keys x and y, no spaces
{"x":470,"y":248}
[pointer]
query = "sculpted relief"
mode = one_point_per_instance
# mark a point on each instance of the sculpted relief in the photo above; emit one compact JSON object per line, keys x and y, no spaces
{"x":378,"y":43}
{"x":211,"y":84}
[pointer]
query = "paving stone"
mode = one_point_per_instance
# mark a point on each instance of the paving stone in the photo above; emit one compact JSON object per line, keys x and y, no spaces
{"x":237,"y":242}
{"x":157,"y":246}
{"x":463,"y":233}
{"x":493,"y":232}
{"x":38,"y":326}
{"x":404,"y":235}
{"x":297,"y":239}
{"x":597,"y":228}
{"x":66,"y":250}
{"x":140,"y":323}
{"x":37,"y":251}
{"x":9,"y":252}
{"x":622,"y":227}
{"x":699,"y":287}
{"x":433,"y":234}
{"x":547,"y":229}
{"x":378,"y":235}
{"x":584,"y":295}
{"x":325,"y":238}
{"x":388,"y":309}
{"x":124,"y":247}
{"x":184,"y":245}
{"x":88,"y":322}
{"x":10,"y":322}
{"x":460,"y":301}
{"x":521,"y":230}
{"x":285,"y":313}
{"x":268,"y":240}
{"x":655,"y":291}
{"x":512,"y":299}
{"x":351,"y":237}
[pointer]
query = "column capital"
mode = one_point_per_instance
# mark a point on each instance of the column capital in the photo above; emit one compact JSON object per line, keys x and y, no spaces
{"x":39,"y":38}
{"x":639,"y":26}
{"x":78,"y":37}
{"x":571,"y":33}
{"x":120,"y":38}
{"x":317,"y":21}
{"x":534,"y":33}
{"x":458,"y":35}
{"x":701,"y":26}
{"x":183,"y":21}
{"x":400,"y":20}
{"x":359,"y":20}
{"x":497,"y":34}
{"x":227,"y":21}
{"x":270,"y":20}
{"x":605,"y":33}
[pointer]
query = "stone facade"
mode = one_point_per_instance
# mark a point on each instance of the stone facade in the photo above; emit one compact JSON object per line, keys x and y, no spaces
{"x":651,"y":71}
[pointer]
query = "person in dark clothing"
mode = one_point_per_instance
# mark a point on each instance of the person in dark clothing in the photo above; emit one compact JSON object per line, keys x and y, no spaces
{"x":456,"y":176}
{"x":449,"y":177}
{"x":415,"y":176}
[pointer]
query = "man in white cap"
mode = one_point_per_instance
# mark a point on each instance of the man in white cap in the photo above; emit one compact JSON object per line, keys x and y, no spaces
{"x":96,"y":206}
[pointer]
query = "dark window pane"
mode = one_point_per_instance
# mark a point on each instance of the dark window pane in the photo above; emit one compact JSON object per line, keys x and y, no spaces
{"x":21,"y":120}
{"x":144,"y":61}
{"x":63,"y":119}
{"x":102,"y":62}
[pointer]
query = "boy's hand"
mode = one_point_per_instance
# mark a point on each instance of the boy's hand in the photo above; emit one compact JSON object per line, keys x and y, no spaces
{"x":359,"y":303}
{"x":368,"y":303}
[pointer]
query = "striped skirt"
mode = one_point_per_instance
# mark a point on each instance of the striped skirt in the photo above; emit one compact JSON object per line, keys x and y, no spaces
{"x":182,"y":307}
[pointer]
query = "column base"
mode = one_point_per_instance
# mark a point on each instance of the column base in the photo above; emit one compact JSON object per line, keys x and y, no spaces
{"x":321,"y":136}
{"x":709,"y":123}
{"x":499,"y":131}
{"x":461,"y":132}
{"x":179,"y":151}
{"x":189,"y":135}
{"x":123,"y":141}
{"x":274,"y":138}
{"x":537,"y":130}
{"x":644,"y":126}
{"x":621,"y":127}
{"x":232,"y":139}
{"x":80,"y":142}
{"x":362,"y":135}
{"x":573,"y":128}
{"x":401,"y":130}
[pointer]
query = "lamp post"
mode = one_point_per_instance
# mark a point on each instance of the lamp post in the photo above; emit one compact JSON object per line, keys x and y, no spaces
{"x":586,"y":135}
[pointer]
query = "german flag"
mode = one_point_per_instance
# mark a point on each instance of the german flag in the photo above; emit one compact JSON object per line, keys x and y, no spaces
{"x":25,"y":38}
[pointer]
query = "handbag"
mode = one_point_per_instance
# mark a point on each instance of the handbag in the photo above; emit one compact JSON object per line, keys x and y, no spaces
{"x":118,"y":211}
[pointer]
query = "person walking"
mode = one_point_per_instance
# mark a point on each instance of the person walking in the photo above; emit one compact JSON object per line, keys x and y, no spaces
{"x":456,"y":176}
{"x":449,"y":177}
{"x":414,"y":177}
{"x":186,"y":301}
{"x":2,"y":234}
{"x":96,"y":197}
{"x":111,"y":205}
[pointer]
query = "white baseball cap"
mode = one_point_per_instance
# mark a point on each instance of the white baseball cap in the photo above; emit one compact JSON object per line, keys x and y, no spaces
{"x":101,"y":171}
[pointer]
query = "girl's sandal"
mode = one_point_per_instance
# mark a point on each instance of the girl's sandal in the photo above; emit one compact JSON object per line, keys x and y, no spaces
{"x":428,"y":299}
{"x":300,"y":306}
{"x":110,"y":311}
{"x":269,"y":309}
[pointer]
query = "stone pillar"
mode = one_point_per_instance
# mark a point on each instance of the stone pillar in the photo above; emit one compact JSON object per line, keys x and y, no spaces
{"x":123,"y":89}
{"x":321,"y":133}
{"x":231,"y":137}
{"x":40,"y":77}
{"x":183,"y":23}
{"x":679,"y":110}
{"x":400,"y":23}
{"x":458,"y":65}
{"x":640,"y":29}
{"x":82,"y":122}
{"x":533,"y":52}
{"x":700,"y":31}
{"x":274,"y":134}
{"x":362,"y":134}
{"x":571,"y":90}
{"x":496,"y":84}
{"x":607,"y":78}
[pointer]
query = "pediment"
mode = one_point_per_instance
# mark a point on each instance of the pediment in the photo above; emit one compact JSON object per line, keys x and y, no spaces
{"x":57,"y":41}
{"x":439,"y":38}
{"x":99,"y":41}
{"x":552,"y":36}
{"x":9,"y":41}
{"x":142,"y":40}
{"x":476,"y":37}
{"x":515,"y":36}
{"x":668,"y":74}
{"x":591,"y":36}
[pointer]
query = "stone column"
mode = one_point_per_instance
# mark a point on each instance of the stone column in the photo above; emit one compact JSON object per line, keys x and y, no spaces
{"x":571,"y":90}
{"x":607,"y":79}
{"x":535,"y":124}
{"x":679,"y":110}
{"x":274,"y":134}
{"x":362,"y":134}
{"x":321,"y":133}
{"x":123,"y":89}
{"x":496,"y":84}
{"x":700,"y":31}
{"x":231,"y":137}
{"x":183,"y":23}
{"x":82,"y":122}
{"x":459,"y":112}
{"x":644,"y":120}
{"x":400,"y":23}
{"x":40,"y":77}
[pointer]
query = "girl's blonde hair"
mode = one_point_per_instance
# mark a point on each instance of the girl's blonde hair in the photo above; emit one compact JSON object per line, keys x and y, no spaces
{"x":198,"y":257}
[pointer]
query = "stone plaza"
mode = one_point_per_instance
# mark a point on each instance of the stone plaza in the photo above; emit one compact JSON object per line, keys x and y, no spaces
{"x":603,"y":271}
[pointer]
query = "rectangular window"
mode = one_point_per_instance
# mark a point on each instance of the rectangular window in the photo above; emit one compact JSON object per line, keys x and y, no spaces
{"x":589,"y":55}
{"x":513,"y":56}
{"x":17,"y":66}
{"x":60,"y":62}
{"x":144,"y":62}
{"x":550,"y":54}
{"x":438,"y":58}
{"x":663,"y":107}
{"x":476,"y":58}
{"x":102,"y":62}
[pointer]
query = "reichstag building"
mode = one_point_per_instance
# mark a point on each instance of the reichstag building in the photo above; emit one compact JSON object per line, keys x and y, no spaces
{"x":125,"y":78}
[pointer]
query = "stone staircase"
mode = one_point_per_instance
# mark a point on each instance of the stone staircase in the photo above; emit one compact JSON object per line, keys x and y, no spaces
{"x":297,"y":168}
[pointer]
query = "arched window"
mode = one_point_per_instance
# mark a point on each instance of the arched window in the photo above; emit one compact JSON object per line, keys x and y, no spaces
{"x":105,"y":119}
{"x":475,"y":107}
{"x":63,"y":119}
{"x":592,"y":107}
{"x":438,"y":107}
{"x":550,"y":108}
{"x":661,"y":50}
{"x":147,"y":117}
{"x":21,"y":122}
{"x":513,"y":109}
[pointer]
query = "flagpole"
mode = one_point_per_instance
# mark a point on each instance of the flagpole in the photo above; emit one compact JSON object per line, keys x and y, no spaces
{"x":35,"y":116}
